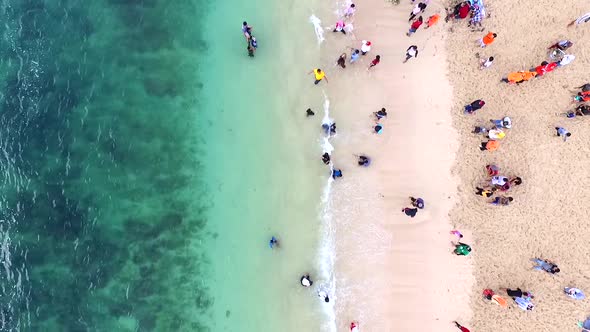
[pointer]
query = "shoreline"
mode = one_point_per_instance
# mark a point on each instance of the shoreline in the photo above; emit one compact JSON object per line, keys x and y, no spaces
{"x":391,"y":270}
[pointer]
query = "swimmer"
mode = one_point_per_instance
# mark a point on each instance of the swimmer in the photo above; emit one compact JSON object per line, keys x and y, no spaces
{"x":273,"y":243}
{"x":333,"y":128}
{"x":250,"y":50}
{"x":364,"y":161}
{"x":326,"y":158}
{"x":309,"y":112}
{"x":336,"y":173}
{"x":381,"y":114}
{"x":324,"y":296}
{"x":253,"y":42}
{"x":306,"y":280}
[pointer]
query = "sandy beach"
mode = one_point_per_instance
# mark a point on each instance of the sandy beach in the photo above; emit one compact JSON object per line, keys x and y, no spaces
{"x":550,"y":210}
{"x":396,"y":273}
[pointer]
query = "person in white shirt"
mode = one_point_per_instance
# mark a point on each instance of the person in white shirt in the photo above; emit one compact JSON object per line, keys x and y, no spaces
{"x":350,"y":10}
{"x":566,"y":60}
{"x":411,"y":52}
{"x":486,"y":63}
{"x":365,"y":47}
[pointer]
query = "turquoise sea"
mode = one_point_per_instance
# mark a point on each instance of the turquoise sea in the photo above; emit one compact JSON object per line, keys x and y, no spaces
{"x":146,"y":161}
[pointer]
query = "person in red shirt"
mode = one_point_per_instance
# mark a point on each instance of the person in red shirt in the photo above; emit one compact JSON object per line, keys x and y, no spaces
{"x":463,"y":11}
{"x":415,"y":25}
{"x":545,"y":67}
{"x":375,"y":61}
{"x":460,"y":327}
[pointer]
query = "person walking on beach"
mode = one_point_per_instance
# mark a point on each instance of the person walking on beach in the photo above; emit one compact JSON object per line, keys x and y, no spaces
{"x":414,"y":27}
{"x":419,"y":8}
{"x":545,"y":265}
{"x":375,"y":62}
{"x":364,"y":161}
{"x":461,"y":327}
{"x":563,"y":133}
{"x":417,"y":202}
{"x":350,"y":11}
{"x":487,"y":39}
{"x":355,"y":55}
{"x":341,"y":60}
{"x":365,"y":47}
{"x":382,"y":113}
{"x":411,"y":52}
{"x":340,"y":27}
{"x":319,"y":75}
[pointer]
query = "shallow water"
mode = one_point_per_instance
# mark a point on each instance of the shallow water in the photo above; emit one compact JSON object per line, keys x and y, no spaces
{"x":145,"y":163}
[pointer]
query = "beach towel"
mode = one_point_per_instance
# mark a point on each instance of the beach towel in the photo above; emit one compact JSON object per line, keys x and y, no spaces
{"x":497,"y":299}
{"x":479,"y":11}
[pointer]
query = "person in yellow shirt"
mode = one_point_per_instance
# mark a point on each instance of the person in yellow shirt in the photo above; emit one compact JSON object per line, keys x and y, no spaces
{"x":319,"y":75}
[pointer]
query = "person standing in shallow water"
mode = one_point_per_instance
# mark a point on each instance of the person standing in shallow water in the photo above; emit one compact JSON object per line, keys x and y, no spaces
{"x":319,"y":75}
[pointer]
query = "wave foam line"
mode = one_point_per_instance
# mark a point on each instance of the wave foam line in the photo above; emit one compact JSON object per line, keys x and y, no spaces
{"x":327,"y":251}
{"x":317,"y":25}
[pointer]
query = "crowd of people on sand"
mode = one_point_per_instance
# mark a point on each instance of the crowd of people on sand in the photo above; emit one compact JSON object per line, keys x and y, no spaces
{"x":495,"y":186}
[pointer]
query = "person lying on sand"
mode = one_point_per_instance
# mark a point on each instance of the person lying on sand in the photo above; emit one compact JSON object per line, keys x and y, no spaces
{"x":502,"y":201}
{"x":518,"y":293}
{"x":461,"y":249}
{"x":506,"y":122}
{"x":492,"y":170}
{"x":410,"y":212}
{"x":461,"y":11}
{"x":581,"y":110}
{"x":515,"y":181}
{"x":485,"y":63}
{"x":474,"y":106}
{"x":490,"y":145}
{"x":485,"y":192}
{"x":585,"y":87}
{"x":545,"y":265}
{"x":581,"y":97}
{"x":519,"y":77}
{"x":461,"y":327}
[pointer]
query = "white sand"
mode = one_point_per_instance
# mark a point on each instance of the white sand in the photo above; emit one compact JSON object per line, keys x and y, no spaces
{"x":395,"y":273}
